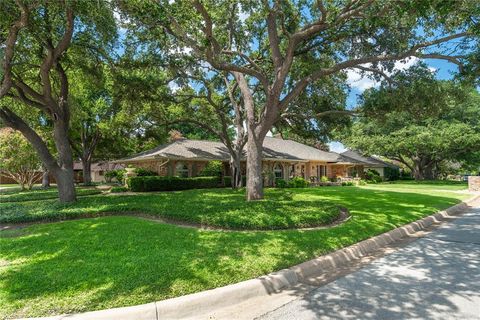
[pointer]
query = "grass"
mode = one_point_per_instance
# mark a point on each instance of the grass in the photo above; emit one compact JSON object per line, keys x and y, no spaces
{"x":36,"y":194}
{"x":2,"y":185}
{"x":215,"y":208}
{"x":419,"y":186}
{"x":106,"y":262}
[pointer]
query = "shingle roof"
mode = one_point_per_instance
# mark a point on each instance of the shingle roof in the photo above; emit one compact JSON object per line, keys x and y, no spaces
{"x":186,"y":149}
{"x":273,"y":148}
{"x":99,"y":166}
{"x":367,"y":160}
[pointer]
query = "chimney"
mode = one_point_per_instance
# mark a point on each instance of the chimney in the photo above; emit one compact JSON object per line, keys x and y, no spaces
{"x":175,"y":135}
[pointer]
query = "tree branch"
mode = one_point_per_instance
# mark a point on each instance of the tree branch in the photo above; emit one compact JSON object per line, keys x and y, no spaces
{"x":10,"y":48}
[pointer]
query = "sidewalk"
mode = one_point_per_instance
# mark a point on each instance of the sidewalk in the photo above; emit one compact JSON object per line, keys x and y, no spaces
{"x":435,"y":277}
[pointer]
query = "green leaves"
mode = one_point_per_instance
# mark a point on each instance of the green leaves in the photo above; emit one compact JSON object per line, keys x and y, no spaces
{"x":417,"y":117}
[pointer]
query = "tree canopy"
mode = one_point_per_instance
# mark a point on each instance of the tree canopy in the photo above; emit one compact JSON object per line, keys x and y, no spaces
{"x":419,"y":121}
{"x":215,"y":69}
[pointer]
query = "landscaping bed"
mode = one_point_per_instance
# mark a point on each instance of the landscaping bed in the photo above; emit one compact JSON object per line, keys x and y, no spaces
{"x":40,"y":194}
{"x":106,"y":262}
{"x":216,"y":208}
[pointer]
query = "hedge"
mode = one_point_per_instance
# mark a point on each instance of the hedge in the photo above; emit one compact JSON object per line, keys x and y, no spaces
{"x":153,"y":183}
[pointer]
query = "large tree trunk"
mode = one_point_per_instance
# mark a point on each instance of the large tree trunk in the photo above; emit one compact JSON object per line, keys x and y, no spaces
{"x":423,"y":168}
{"x":87,"y":172}
{"x":65,"y":185}
{"x":64,"y":175}
{"x":254,"y":167}
{"x":429,"y":173}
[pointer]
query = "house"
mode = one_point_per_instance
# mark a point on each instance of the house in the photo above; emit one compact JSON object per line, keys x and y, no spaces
{"x":281,"y":158}
{"x":370,"y":162}
{"x":98,"y":170}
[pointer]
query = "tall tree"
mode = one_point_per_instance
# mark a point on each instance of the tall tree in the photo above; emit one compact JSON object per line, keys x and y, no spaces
{"x":184,"y":95}
{"x":34,"y":69}
{"x":211,"y":93}
{"x":419,"y":121}
{"x":277,"y":49}
{"x":92,"y":112}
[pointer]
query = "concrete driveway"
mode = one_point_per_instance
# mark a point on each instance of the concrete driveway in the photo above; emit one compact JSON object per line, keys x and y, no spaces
{"x":435,"y":277}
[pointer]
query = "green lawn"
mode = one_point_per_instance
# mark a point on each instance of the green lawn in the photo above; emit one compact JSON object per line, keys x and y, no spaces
{"x":15,"y":195}
{"x":418,"y":186}
{"x":216,"y":207}
{"x":106,"y":262}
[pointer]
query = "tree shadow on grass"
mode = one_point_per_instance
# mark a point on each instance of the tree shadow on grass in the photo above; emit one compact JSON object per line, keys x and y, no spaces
{"x":427,"y":280}
{"x":118,"y":261}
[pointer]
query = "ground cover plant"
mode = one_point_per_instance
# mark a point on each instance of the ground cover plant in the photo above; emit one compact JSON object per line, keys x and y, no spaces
{"x":14,"y":195}
{"x":222,"y":208}
{"x":105,"y":262}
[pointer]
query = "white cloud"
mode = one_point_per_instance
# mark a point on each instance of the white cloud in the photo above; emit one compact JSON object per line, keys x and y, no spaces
{"x":173,"y":86}
{"x":337,"y":147}
{"x":356,"y":80}
{"x":243,"y":15}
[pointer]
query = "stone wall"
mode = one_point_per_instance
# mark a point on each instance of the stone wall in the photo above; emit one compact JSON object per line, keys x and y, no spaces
{"x":474,"y":183}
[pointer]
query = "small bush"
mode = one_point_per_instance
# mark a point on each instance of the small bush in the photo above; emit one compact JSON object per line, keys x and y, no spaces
{"x":348,"y":183}
{"x":362,"y":183}
{"x":391,"y":174}
{"x":118,"y":189}
{"x":281,"y":183}
{"x":115,"y":174}
{"x":370,"y":173}
{"x":212,"y":169}
{"x":142,"y":172}
{"x":324,"y":179}
{"x":298,"y":182}
{"x":155,"y":183}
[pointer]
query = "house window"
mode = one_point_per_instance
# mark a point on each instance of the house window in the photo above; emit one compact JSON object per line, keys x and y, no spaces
{"x":100,"y":173}
{"x":181,"y":170}
{"x":278,"y":171}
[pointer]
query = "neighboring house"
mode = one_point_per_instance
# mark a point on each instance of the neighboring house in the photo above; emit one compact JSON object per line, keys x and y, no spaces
{"x":98,"y":170}
{"x":281,"y":159}
{"x":370,"y":162}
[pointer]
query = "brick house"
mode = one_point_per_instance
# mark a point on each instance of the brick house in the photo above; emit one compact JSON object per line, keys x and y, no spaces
{"x":282,"y":158}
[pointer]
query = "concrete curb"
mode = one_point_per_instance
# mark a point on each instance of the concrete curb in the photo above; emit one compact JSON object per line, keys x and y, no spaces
{"x":192,"y":305}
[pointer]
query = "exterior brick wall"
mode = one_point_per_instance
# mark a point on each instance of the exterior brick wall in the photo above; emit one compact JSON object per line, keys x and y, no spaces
{"x":474,"y":183}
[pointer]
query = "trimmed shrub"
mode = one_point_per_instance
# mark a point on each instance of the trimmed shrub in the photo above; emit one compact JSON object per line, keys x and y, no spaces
{"x":114,"y":174}
{"x":155,"y":183}
{"x":142,"y":172}
{"x":348,"y":184}
{"x":373,"y":176}
{"x":362,"y":183}
{"x":118,"y":189}
{"x":298,"y":182}
{"x":324,"y":179}
{"x":280,"y":183}
{"x":212,"y":169}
